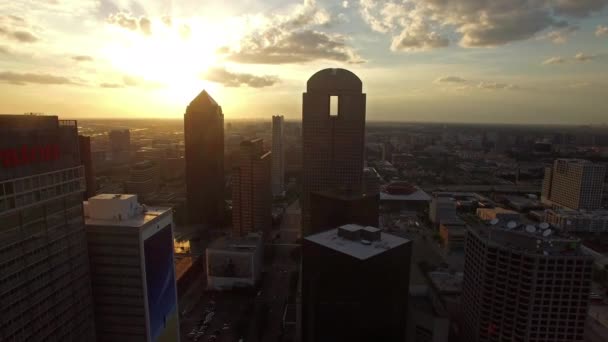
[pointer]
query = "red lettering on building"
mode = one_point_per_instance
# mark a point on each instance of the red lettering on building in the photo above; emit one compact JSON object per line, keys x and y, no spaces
{"x":25,"y":155}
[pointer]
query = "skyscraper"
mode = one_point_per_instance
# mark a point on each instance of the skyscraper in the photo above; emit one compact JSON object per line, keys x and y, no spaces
{"x":355,"y":283}
{"x":524,"y":283}
{"x":204,"y":140}
{"x":278,"y":156}
{"x":45,"y":285}
{"x":84,"y":144}
{"x":120,"y":140}
{"x":574,"y":184}
{"x":332,"y":139}
{"x":251,"y":189}
{"x":331,"y":209}
{"x":132,"y":268}
{"x":144,"y":179}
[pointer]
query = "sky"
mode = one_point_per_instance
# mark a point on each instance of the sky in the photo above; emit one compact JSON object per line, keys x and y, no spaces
{"x":494,"y":61}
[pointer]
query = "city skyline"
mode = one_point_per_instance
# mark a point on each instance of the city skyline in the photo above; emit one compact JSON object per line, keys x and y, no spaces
{"x":466,"y":61}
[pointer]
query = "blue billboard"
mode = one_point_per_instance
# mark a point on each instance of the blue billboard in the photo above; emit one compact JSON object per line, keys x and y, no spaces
{"x":160,"y":282}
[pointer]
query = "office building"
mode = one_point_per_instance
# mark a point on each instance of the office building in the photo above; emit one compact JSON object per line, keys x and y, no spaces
{"x":355,"y":283}
{"x":333,"y":134}
{"x":204,"y":140}
{"x":331,"y":209}
{"x":577,"y":221}
{"x":132,"y":269}
{"x":234,"y":262}
{"x":120,"y":140}
{"x":442,"y":208}
{"x":278,"y":156}
{"x":144,"y":179}
{"x":86,"y":158}
{"x":524,"y":283}
{"x":45,"y":285}
{"x":120,"y":145}
{"x":251,"y":189}
{"x":574,"y":184}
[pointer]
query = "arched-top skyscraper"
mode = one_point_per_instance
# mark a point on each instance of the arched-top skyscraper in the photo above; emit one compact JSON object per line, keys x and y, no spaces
{"x":204,"y":140}
{"x":332,"y":143}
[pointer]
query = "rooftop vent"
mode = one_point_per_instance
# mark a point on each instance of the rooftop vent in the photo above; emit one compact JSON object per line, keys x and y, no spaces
{"x":350,"y":232}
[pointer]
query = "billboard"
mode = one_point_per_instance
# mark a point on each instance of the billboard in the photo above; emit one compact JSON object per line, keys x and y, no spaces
{"x":160,"y":283}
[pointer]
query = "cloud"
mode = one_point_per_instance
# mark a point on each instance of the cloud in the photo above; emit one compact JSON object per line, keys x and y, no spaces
{"x":476,"y":23}
{"x":345,"y":4}
{"x":450,"y":79}
{"x":554,"y":60}
{"x":601,"y":31}
{"x":293,"y":38}
{"x":167,"y":20}
{"x":496,"y":86}
{"x":582,"y":57}
{"x":560,"y":36}
{"x":235,"y":79}
{"x":33,"y":78}
{"x":4,"y":50}
{"x":82,"y":58}
{"x":111,"y":85}
{"x":125,"y":20}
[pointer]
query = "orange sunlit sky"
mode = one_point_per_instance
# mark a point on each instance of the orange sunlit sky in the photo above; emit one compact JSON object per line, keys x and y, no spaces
{"x":513,"y":61}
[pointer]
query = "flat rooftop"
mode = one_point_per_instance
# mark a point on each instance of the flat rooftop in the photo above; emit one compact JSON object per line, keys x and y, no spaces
{"x":237,"y":244}
{"x":137,"y":221}
{"x":356,"y":248}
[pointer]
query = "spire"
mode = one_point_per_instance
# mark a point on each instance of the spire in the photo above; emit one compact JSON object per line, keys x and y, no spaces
{"x":203,"y":99}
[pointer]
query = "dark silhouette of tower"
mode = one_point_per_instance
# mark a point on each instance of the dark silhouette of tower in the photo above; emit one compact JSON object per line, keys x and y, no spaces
{"x":84,"y":144}
{"x":204,"y":139}
{"x":332,"y":143}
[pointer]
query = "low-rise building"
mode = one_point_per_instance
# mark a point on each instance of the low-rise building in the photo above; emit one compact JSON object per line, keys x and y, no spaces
{"x":501,"y":214}
{"x":234,"y":262}
{"x":594,"y":221}
{"x":452,"y":233}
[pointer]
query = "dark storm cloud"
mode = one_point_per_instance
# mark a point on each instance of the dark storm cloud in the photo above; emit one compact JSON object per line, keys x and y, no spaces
{"x":235,"y":79}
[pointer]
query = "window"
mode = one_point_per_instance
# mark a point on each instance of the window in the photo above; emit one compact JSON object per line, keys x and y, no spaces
{"x":333,"y":105}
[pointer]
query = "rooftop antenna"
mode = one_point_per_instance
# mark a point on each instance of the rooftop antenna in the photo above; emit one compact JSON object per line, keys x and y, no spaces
{"x":547,"y":232}
{"x":530,"y":229}
{"x":543,"y":225}
{"x":494,"y":222}
{"x":511,"y":225}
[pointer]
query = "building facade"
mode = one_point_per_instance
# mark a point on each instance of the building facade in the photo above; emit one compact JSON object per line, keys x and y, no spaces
{"x":45,"y":285}
{"x":84,"y":144}
{"x":144,"y":179}
{"x":595,"y":221}
{"x":332,"y":142}
{"x":132,"y":268}
{"x":331,"y":209}
{"x":278,"y":156}
{"x":355,"y":283}
{"x":524,"y":283}
{"x":574,"y":184}
{"x":204,"y":140}
{"x":251,"y":189}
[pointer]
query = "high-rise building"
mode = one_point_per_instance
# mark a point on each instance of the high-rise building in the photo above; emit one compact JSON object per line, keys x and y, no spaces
{"x":278,"y":156}
{"x":524,"y":283}
{"x":355,"y":283}
{"x":333,"y":133}
{"x":120,"y":145}
{"x":204,"y":140}
{"x":84,"y":144}
{"x":251,"y":189}
{"x":132,"y":268}
{"x":120,"y":140}
{"x":331,"y":209}
{"x":574,"y":184}
{"x":144,"y":179}
{"x":45,"y":285}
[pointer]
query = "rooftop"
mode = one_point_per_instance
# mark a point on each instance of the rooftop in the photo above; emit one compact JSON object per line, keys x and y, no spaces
{"x":121,"y":210}
{"x":360,"y":249}
{"x":539,"y":238}
{"x":237,"y":244}
{"x":401,"y":191}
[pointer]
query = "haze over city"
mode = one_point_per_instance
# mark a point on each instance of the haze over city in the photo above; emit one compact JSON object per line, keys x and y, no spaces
{"x":458,"y":61}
